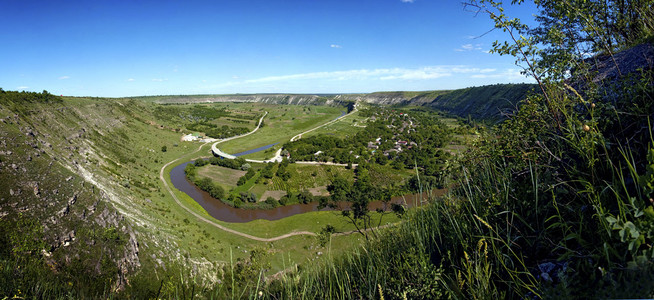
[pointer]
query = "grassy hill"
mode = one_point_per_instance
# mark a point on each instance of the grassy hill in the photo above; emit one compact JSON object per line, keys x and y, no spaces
{"x":489,"y":102}
{"x":553,"y":203}
{"x":484,"y":102}
{"x":80,"y":179}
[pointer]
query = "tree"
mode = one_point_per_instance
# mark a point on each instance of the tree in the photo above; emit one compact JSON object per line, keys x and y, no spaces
{"x":164,"y":148}
{"x":564,"y":139}
{"x":272,"y":202}
{"x":216,"y":191}
{"x":357,"y":198}
{"x":305,"y":197}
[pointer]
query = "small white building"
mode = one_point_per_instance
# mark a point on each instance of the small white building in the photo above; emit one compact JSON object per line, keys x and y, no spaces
{"x":189,"y":138}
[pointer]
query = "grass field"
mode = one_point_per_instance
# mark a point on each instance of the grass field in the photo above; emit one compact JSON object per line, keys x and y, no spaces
{"x":346,"y":126}
{"x":125,"y":155}
{"x":281,"y":124}
{"x":203,"y":240}
{"x":225,"y":177}
{"x":314,"y":178}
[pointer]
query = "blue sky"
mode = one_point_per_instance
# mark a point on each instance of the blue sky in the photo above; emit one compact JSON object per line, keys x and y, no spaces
{"x":131,"y":48}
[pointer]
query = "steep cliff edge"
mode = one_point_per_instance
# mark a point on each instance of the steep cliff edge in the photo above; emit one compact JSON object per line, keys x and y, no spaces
{"x":56,"y":228}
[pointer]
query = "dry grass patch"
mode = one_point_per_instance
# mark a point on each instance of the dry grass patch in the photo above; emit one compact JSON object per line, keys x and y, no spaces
{"x":275,"y":194}
{"x":319,"y":191}
{"x":224,"y":176}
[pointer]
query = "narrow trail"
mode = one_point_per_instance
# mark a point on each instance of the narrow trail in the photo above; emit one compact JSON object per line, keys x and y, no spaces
{"x":299,"y":136}
{"x":236,"y":232}
{"x":214,"y":224}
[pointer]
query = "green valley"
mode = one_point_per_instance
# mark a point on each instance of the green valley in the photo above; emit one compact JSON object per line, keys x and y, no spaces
{"x":461,"y":177}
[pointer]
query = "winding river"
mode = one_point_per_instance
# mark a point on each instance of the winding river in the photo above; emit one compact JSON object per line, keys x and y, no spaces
{"x":224,"y":212}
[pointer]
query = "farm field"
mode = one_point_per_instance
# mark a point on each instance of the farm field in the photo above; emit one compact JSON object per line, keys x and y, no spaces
{"x":346,"y":126}
{"x":225,"y":177}
{"x":281,"y":124}
{"x":313,"y":178}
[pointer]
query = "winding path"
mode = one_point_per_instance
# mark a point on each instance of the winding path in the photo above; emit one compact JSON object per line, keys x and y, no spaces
{"x":278,"y":156}
{"x":216,"y":151}
{"x":214,"y":224}
{"x":221,"y":227}
{"x":299,"y":136}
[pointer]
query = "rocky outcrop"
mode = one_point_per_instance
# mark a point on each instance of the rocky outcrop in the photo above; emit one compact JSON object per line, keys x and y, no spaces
{"x":287,"y":99}
{"x":69,"y":214}
{"x":485,"y":102}
{"x":607,"y":68}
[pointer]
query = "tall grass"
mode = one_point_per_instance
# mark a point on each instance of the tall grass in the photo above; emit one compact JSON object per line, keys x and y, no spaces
{"x":536,"y":209}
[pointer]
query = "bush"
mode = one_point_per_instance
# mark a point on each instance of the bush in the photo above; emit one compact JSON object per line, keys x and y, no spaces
{"x":272,"y":202}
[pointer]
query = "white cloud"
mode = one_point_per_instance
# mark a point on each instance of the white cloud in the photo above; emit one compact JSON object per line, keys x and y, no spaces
{"x":64,"y":77}
{"x":424,"y":73}
{"x":159,"y":79}
{"x":469,"y":47}
{"x":407,"y":1}
{"x":513,"y":75}
{"x":420,"y":74}
{"x":131,"y":80}
{"x":22,"y":87}
{"x":335,"y":46}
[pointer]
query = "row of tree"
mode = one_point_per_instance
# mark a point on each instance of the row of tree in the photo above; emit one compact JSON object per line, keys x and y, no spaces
{"x":204,"y":183}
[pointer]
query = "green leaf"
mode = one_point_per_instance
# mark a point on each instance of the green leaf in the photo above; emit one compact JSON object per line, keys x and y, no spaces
{"x":622,"y":233}
{"x":632,"y":228}
{"x":649,"y":211}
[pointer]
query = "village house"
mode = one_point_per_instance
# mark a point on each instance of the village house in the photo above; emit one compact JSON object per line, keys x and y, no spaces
{"x":191,"y":137}
{"x":372,"y":145}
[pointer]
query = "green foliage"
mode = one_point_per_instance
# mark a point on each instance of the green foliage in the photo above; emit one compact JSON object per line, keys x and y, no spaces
{"x":492,"y":102}
{"x":215,"y":131}
{"x":554,"y":202}
{"x":205,"y":184}
{"x":325,"y":235}
{"x":396,"y":137}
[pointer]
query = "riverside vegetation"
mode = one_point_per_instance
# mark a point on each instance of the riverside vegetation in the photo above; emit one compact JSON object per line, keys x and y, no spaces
{"x":396,"y":148}
{"x":79,"y":175}
{"x":554,"y":202}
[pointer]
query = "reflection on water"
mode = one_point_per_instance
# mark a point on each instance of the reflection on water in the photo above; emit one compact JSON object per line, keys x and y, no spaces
{"x":254,"y":150}
{"x":224,"y":212}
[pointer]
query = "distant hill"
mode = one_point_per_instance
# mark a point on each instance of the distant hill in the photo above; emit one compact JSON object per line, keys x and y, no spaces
{"x":484,"y":102}
{"x":289,"y":99}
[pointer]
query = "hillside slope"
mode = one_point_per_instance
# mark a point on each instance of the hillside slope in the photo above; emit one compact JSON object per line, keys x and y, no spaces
{"x":81,"y":177}
{"x":483,"y":102}
{"x":54,"y":224}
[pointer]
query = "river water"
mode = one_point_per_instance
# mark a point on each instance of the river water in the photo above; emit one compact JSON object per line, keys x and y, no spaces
{"x":224,"y":212}
{"x":266,"y":147}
